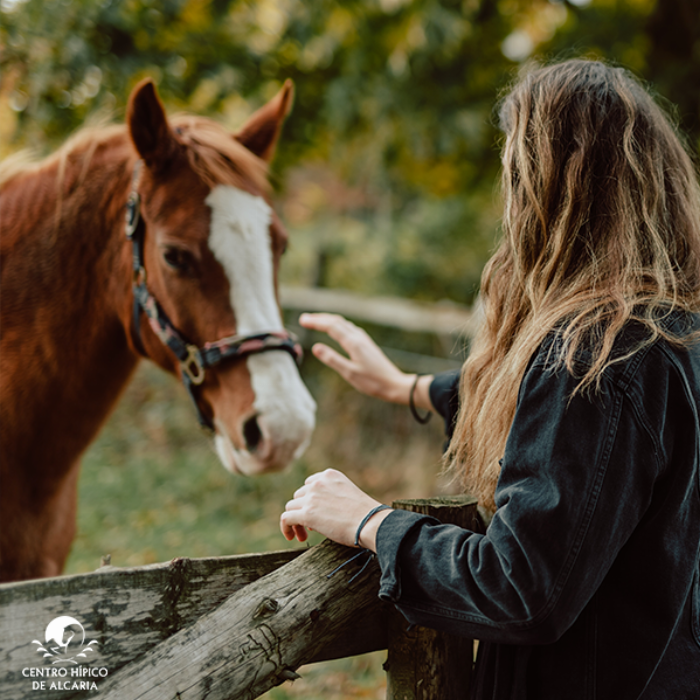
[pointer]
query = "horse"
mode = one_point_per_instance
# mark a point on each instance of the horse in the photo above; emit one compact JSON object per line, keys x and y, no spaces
{"x":151,"y":239}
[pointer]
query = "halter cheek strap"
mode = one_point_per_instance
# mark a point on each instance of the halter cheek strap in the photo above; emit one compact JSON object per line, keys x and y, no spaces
{"x":193,"y":360}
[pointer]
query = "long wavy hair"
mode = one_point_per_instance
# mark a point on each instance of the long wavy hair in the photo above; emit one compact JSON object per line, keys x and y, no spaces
{"x":601,"y":226}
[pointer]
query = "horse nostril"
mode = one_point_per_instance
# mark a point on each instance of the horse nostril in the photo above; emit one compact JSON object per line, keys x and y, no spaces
{"x":251,"y":433}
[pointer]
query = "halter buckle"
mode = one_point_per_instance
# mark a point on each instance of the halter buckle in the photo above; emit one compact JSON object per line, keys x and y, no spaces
{"x":192,"y":365}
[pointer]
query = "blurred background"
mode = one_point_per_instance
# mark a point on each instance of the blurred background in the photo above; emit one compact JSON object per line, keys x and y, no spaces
{"x":386,"y":177}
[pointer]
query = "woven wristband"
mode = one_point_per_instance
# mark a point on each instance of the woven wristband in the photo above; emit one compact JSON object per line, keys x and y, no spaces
{"x":364,"y":520}
{"x":411,"y":403}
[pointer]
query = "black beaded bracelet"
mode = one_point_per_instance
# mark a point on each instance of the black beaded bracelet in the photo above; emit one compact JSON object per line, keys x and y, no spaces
{"x":411,"y":404}
{"x":364,"y":520}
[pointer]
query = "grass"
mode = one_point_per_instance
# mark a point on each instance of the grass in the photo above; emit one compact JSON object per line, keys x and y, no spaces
{"x":153,"y":489}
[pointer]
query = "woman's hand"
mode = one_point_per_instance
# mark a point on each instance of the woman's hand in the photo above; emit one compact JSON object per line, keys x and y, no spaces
{"x":367,"y":369}
{"x":331,"y":504}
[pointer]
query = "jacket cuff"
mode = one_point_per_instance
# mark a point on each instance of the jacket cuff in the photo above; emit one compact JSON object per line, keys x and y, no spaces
{"x":392,"y":533}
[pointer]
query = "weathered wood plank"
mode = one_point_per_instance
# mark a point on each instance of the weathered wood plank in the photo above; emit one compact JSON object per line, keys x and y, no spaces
{"x":365,"y":633}
{"x":424,"y":664}
{"x":258,"y":636}
{"x":128,"y":611}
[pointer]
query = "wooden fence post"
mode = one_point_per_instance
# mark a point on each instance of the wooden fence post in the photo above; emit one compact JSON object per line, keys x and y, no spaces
{"x":423,"y":664}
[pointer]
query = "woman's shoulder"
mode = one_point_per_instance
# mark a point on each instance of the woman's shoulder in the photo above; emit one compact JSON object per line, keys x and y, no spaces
{"x":673,"y":340}
{"x":672,"y":344}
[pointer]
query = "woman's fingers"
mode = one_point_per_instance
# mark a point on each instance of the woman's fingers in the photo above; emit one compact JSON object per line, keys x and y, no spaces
{"x":290,"y":526}
{"x":328,"y":503}
{"x":324,"y":322}
{"x":344,"y":332}
{"x":367,"y":368}
{"x":317,"y":476}
{"x":300,"y":533}
{"x":295,"y":504}
{"x":342,"y":365}
{"x":286,"y":526}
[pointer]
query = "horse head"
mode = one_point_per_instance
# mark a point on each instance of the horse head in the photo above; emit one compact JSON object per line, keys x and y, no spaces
{"x":207,"y":246}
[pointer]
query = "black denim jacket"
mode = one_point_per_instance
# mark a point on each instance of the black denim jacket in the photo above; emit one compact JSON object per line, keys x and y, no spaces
{"x":586,"y":584}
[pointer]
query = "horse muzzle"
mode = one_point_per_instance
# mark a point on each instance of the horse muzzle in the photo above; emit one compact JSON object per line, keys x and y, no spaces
{"x":280,"y":425}
{"x":261,"y":453}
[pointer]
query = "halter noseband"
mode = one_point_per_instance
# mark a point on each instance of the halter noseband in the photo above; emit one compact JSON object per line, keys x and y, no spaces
{"x":194,"y":361}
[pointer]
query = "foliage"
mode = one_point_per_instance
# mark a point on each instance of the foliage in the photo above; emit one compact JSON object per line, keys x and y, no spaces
{"x":394,"y":101}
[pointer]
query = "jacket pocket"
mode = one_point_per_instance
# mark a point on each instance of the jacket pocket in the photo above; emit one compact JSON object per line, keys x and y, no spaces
{"x":696,"y":607}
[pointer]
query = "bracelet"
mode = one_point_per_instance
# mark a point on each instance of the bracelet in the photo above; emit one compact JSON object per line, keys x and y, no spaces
{"x":411,"y":404}
{"x":364,"y":520}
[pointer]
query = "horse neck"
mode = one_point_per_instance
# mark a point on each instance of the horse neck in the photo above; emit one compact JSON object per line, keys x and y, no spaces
{"x":67,"y":272}
{"x":92,"y":254}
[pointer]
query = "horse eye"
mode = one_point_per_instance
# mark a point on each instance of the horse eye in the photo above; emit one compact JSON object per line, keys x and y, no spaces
{"x":178,"y":259}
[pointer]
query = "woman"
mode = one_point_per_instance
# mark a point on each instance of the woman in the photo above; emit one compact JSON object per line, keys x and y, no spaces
{"x":578,"y":420}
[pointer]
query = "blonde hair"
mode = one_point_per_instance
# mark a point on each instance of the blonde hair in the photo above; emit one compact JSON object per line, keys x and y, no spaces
{"x":601,"y":226}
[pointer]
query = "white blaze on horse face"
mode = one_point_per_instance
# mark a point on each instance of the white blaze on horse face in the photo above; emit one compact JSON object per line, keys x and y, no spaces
{"x":239,"y":238}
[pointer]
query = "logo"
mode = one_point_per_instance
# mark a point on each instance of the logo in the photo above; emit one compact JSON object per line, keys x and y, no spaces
{"x":66,"y":648}
{"x":68,"y":636}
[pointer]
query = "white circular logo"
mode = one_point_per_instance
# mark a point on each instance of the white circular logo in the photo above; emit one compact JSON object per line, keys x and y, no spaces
{"x":65,"y":641}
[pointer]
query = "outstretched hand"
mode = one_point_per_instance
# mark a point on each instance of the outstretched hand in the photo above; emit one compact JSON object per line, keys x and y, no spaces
{"x":331,"y":504}
{"x":367,"y":368}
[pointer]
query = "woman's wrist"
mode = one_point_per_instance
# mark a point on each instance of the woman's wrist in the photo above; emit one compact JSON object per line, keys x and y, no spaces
{"x":368,"y":535}
{"x":404,"y":386}
{"x":401,"y":389}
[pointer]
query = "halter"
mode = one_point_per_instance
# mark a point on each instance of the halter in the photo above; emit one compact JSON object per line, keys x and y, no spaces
{"x":194,"y":361}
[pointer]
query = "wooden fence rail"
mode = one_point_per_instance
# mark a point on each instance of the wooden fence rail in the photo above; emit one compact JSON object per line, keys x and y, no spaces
{"x":442,"y":318}
{"x":228,"y":628}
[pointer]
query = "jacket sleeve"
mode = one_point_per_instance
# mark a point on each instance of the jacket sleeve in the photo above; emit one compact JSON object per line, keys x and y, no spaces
{"x":444,"y":395}
{"x":576,"y":477}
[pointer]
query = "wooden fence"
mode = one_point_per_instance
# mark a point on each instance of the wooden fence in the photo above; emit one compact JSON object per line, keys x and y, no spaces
{"x":442,"y":318}
{"x":224,"y":629}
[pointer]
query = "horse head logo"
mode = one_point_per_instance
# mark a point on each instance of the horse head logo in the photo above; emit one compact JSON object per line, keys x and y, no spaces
{"x":65,"y":639}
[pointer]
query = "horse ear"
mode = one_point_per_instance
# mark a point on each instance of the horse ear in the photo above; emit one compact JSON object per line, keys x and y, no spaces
{"x":260,"y":133}
{"x":148,"y":124}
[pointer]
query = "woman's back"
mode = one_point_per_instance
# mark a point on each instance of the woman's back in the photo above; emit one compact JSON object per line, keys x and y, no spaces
{"x":584,"y":584}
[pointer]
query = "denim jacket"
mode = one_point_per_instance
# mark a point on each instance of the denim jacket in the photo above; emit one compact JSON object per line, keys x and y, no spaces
{"x":586,"y":584}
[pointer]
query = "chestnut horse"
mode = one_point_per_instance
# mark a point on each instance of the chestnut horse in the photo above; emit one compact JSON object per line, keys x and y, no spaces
{"x":190,"y":282}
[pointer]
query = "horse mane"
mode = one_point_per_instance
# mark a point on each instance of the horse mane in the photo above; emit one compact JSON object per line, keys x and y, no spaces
{"x":212,"y":152}
{"x":217,"y":157}
{"x":86,"y":140}
{"x":83,"y":143}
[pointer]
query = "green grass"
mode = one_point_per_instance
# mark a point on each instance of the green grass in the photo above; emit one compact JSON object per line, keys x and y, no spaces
{"x":357,"y":677}
{"x":152,"y":489}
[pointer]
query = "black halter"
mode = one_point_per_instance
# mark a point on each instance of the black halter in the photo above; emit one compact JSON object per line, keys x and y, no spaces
{"x":193,"y":360}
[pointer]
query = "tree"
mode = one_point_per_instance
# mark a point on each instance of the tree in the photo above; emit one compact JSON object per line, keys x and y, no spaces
{"x":394,"y":100}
